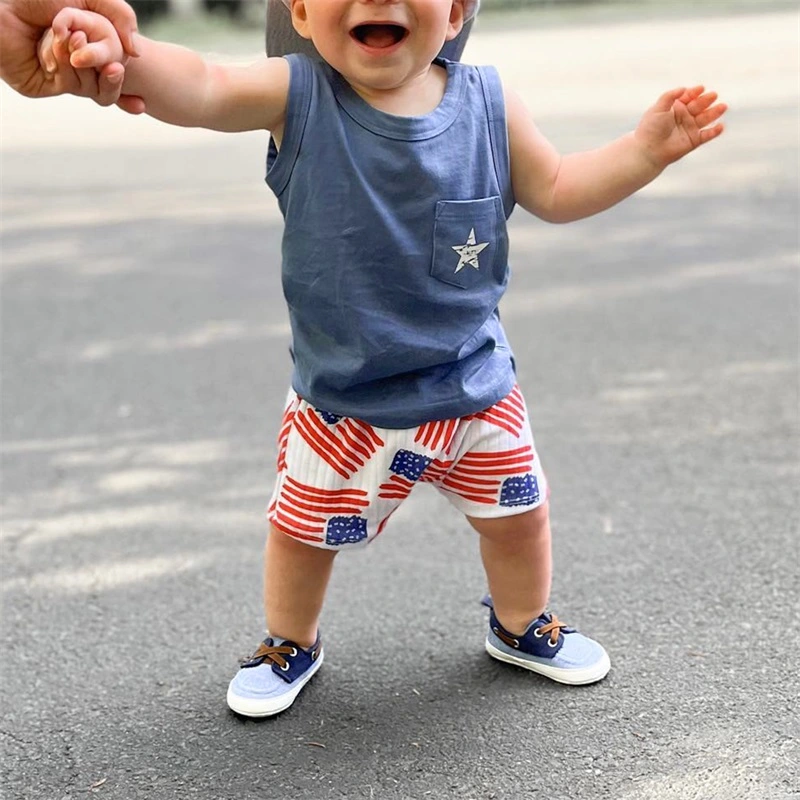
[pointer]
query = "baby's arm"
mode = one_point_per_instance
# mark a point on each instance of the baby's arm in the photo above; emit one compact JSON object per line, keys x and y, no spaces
{"x":176,"y":84}
{"x":565,"y":188}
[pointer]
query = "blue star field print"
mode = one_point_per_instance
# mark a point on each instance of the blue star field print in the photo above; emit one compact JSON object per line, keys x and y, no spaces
{"x":520,"y":490}
{"x":328,"y":417}
{"x":346,"y":530}
{"x":409,"y":465}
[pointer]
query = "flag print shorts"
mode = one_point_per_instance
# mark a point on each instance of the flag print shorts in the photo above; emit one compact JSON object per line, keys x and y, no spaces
{"x":340,"y":479}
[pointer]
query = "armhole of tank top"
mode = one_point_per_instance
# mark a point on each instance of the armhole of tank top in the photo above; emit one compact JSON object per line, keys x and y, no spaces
{"x":301,"y":87}
{"x":498,"y":132}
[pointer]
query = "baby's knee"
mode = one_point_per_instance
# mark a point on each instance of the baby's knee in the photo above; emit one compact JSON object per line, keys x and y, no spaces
{"x":537,"y":522}
{"x":533,"y":524}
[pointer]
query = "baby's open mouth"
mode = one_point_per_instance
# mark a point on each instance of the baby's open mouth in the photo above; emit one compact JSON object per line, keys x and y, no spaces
{"x":379,"y":35}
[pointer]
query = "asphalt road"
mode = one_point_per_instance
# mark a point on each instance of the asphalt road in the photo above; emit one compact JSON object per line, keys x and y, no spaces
{"x":144,"y":349}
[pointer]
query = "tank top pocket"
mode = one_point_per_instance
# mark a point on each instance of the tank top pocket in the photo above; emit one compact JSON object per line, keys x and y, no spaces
{"x":470,"y":243}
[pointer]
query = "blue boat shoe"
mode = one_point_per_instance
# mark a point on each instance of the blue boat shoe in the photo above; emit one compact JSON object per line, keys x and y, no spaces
{"x":269,"y":681}
{"x":550,"y":648}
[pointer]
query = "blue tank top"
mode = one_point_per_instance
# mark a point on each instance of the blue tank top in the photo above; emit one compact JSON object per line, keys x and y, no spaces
{"x":395,"y":249}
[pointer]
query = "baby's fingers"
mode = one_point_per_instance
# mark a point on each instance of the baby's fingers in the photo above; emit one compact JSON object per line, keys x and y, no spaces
{"x":76,"y":41}
{"x":92,"y":54}
{"x":667,"y":100}
{"x":701,"y":103}
{"x":88,"y":82}
{"x":95,"y":27}
{"x":707,"y":134}
{"x":710,"y":115}
{"x":64,"y":23}
{"x":109,"y":84}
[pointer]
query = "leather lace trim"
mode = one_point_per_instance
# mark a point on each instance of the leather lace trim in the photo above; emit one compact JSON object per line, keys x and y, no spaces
{"x":553,"y":628}
{"x":271,"y":654}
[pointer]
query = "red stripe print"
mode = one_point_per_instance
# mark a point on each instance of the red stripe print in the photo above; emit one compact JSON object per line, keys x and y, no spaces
{"x":283,"y":436}
{"x":396,"y":488}
{"x":435,"y":471}
{"x":473,"y":477}
{"x":304,"y":510}
{"x":508,"y":414}
{"x":436,"y":435}
{"x":365,"y":432}
{"x":345,"y":446}
{"x":515,"y":461}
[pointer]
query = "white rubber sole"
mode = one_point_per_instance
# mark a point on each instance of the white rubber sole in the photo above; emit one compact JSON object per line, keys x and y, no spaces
{"x":574,"y":677}
{"x":251,"y":707}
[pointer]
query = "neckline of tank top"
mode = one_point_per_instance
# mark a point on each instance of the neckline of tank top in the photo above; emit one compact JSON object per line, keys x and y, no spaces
{"x":392,"y":126}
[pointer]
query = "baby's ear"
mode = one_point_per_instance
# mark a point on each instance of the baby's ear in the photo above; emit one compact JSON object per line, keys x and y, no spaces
{"x":456,"y":21}
{"x":300,"y":18}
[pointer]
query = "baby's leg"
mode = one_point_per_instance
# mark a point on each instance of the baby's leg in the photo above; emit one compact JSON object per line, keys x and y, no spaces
{"x":494,"y":476}
{"x":516,"y":557}
{"x":296,"y":578}
{"x":517,"y":560}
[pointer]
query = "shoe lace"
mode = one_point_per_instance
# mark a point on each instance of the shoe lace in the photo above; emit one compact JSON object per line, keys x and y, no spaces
{"x":553,"y":628}
{"x":273,"y":654}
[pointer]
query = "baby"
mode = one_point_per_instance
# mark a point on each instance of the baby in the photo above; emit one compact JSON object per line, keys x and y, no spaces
{"x":396,"y":172}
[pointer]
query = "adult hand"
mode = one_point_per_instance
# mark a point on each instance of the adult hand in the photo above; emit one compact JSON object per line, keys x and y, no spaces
{"x":24,"y":22}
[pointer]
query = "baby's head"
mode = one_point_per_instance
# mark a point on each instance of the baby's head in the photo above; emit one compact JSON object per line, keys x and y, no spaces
{"x":379,"y":43}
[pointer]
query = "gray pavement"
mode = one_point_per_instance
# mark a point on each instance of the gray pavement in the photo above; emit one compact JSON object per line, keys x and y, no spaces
{"x":144,"y":350}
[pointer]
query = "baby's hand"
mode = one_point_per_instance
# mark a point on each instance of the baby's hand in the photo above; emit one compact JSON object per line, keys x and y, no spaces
{"x":679,"y":122}
{"x":77,"y":47}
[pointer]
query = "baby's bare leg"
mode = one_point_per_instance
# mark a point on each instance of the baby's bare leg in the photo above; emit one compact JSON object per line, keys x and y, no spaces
{"x":296,"y":577}
{"x":517,"y":559}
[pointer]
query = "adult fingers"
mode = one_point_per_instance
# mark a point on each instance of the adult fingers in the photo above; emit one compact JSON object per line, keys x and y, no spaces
{"x":46,"y":55}
{"x":54,"y":58}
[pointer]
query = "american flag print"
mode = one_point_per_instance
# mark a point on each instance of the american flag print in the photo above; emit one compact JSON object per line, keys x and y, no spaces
{"x":332,"y":516}
{"x":340,"y":479}
{"x":520,"y":491}
{"x":509,"y":413}
{"x":502,"y":477}
{"x":407,"y":468}
{"x":343,"y":443}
